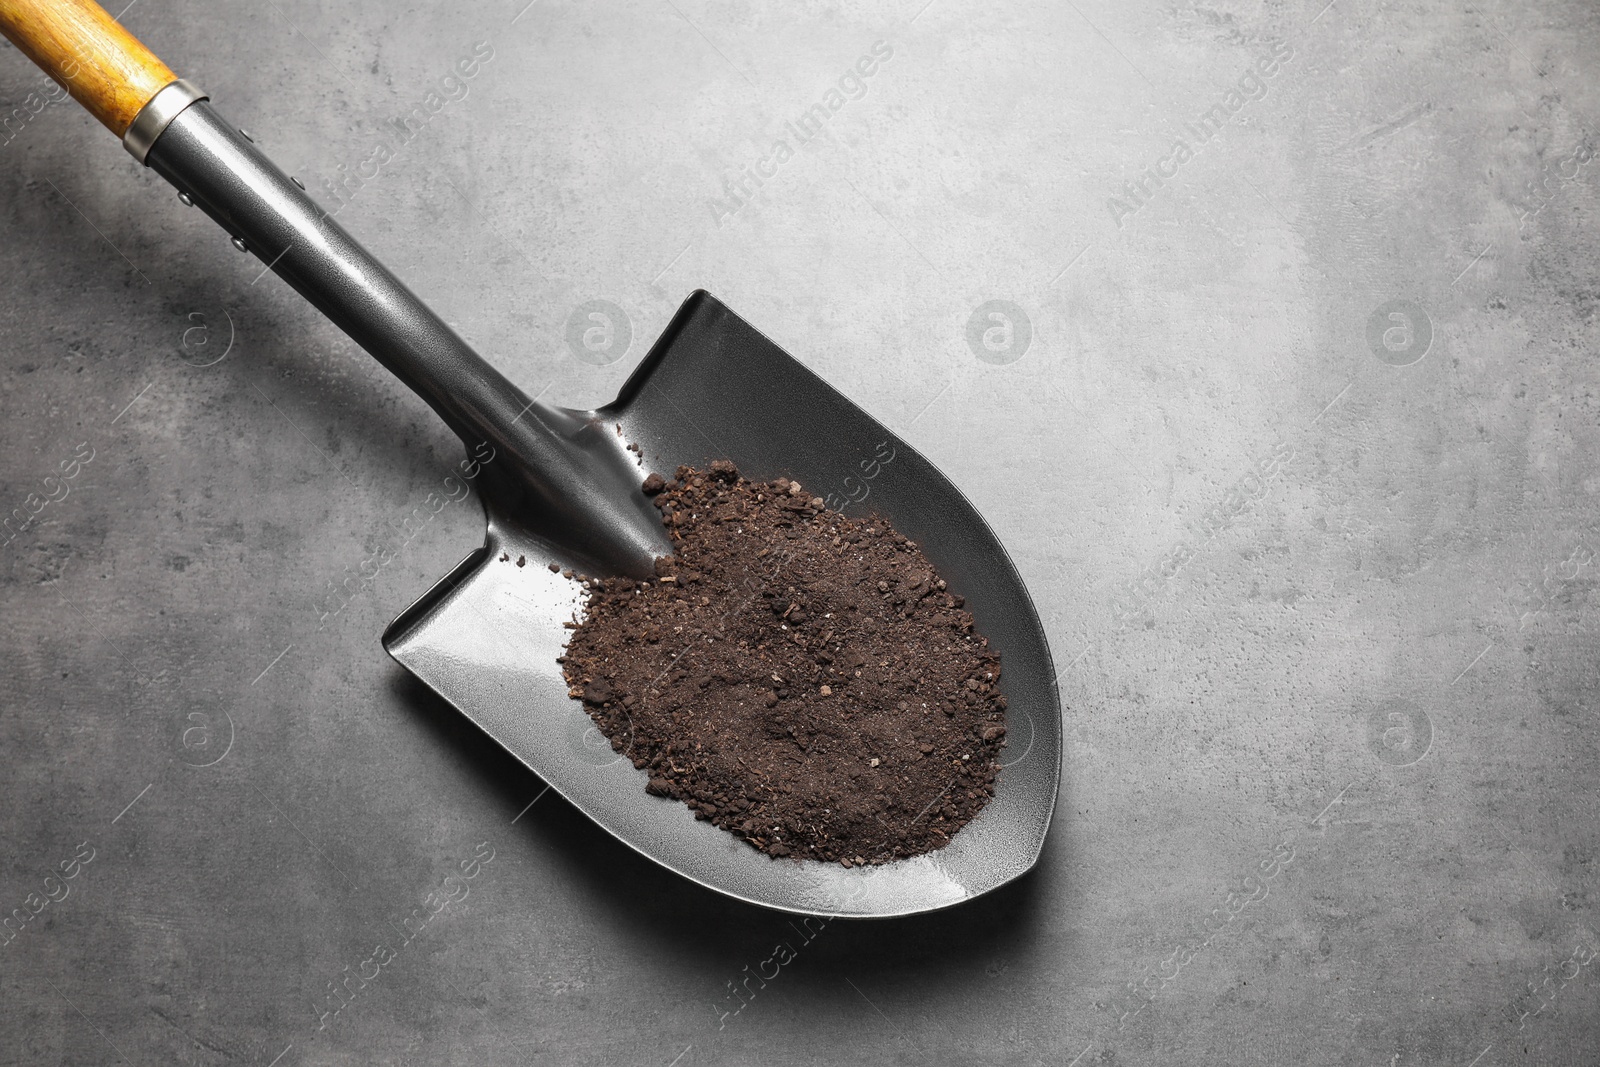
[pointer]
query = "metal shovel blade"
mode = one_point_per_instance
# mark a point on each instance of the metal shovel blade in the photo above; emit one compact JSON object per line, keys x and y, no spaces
{"x":486,"y":637}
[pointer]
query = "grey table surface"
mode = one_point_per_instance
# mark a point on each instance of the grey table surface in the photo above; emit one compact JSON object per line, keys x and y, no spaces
{"x":1289,"y":425}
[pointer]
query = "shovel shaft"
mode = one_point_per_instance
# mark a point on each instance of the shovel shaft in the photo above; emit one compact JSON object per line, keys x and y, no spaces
{"x":553,"y":472}
{"x":137,"y":97}
{"x":103,"y":66}
{"x":557,"y":476}
{"x":219,"y":169}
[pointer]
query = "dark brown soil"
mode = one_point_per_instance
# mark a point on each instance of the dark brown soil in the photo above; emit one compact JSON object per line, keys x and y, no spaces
{"x":802,"y":679}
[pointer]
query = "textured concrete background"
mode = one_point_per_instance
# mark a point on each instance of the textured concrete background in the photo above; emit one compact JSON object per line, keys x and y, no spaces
{"x":1348,"y":701}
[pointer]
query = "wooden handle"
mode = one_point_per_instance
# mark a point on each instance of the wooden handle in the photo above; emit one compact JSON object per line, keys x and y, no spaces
{"x":83,"y":48}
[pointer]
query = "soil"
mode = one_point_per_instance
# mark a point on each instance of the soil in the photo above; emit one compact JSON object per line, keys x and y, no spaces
{"x":801,"y":679}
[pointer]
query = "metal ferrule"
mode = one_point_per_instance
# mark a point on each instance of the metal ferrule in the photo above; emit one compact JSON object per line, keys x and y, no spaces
{"x":156,"y":115}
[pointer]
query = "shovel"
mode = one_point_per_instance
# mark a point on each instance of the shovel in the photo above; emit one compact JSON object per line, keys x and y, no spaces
{"x":561,"y":486}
